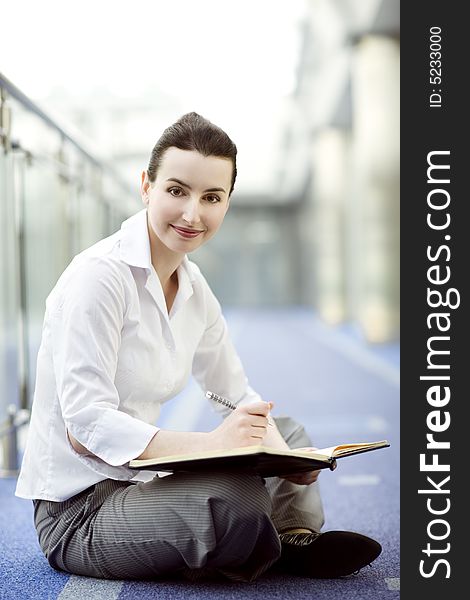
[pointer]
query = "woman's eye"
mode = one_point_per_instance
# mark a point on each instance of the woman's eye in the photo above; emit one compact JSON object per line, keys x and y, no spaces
{"x":175,"y":191}
{"x":212,"y":198}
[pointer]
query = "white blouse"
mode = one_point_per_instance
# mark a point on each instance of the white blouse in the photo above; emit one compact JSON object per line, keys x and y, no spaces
{"x":110,"y":355}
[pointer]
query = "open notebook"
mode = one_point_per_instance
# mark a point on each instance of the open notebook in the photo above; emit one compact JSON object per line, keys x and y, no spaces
{"x":265,"y":461}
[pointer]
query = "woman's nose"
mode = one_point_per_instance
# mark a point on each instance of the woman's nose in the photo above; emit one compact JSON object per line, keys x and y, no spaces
{"x":191,"y":211}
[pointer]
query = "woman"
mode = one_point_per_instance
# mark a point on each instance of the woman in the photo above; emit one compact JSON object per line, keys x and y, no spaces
{"x":128,"y":321}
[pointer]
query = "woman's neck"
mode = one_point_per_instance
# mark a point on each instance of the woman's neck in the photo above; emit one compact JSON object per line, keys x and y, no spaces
{"x":166,"y":269}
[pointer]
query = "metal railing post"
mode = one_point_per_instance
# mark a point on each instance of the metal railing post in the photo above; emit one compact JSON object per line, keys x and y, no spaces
{"x":15,"y":419}
{"x":10,"y":444}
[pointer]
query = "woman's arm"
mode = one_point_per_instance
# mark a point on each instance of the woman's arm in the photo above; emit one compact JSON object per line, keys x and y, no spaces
{"x":79,"y":448}
{"x":86,"y":320}
{"x":246,"y":426}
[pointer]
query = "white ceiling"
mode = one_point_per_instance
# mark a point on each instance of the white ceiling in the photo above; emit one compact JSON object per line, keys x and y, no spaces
{"x":122,"y":71}
{"x":233,"y":62}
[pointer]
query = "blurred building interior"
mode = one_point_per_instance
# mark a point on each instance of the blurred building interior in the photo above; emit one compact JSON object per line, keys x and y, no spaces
{"x":314,"y":219}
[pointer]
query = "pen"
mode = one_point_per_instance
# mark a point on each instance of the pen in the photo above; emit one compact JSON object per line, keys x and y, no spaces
{"x":225,"y":402}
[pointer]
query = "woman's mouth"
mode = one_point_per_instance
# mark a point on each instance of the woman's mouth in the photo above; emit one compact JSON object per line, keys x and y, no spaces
{"x":186,"y":233}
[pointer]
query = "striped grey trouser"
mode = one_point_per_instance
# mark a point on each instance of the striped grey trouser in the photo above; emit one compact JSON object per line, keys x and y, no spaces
{"x":188,"y":524}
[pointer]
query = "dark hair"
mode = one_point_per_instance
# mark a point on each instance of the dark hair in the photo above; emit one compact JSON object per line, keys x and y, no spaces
{"x":193,"y":132}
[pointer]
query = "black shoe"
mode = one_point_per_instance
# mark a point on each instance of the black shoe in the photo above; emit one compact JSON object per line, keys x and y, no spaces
{"x":326,"y":555}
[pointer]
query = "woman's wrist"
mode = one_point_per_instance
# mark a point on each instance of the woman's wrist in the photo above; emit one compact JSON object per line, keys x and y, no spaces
{"x":274,"y":439}
{"x":169,"y":443}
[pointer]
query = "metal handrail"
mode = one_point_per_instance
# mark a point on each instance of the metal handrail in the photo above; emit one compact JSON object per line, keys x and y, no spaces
{"x":79,"y":144}
{"x":18,"y":417}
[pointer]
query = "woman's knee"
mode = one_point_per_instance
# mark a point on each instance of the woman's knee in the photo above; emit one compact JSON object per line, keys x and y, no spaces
{"x":293,"y":432}
{"x":241,"y":524}
{"x":240,"y":489}
{"x":210,"y":505}
{"x":239,"y":503}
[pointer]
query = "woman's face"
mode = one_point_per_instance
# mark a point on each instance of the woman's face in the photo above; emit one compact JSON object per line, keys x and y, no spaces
{"x":188,"y":200}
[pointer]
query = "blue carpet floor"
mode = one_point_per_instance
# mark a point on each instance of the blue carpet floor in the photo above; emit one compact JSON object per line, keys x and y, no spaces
{"x":329,"y":379}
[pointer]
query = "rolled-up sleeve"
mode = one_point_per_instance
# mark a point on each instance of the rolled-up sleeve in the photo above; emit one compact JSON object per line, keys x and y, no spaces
{"x":216,"y":365}
{"x":86,"y":333}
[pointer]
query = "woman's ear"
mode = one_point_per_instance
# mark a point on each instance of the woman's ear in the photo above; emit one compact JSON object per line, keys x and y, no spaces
{"x":144,"y":188}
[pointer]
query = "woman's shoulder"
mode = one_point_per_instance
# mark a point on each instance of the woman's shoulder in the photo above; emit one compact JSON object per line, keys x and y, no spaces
{"x":94,"y":270}
{"x":98,"y":265}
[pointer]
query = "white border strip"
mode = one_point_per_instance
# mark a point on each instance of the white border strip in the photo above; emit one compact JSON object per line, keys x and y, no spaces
{"x":393,"y":583}
{"x":90,"y":588}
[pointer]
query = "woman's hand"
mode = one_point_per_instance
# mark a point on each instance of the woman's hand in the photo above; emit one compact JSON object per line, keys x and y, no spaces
{"x":245,"y":426}
{"x":304,"y":478}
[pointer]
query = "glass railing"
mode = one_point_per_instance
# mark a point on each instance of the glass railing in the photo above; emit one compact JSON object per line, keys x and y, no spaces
{"x":56,"y":198}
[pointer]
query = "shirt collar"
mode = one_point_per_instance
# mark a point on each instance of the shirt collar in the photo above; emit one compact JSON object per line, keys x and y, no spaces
{"x":135,"y":243}
{"x":185,"y":283}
